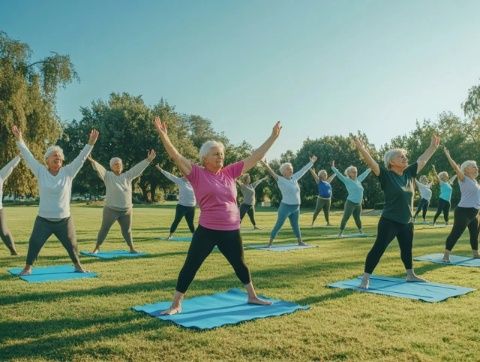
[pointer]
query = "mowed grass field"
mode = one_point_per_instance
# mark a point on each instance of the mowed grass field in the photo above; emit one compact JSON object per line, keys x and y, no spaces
{"x":91,"y":319}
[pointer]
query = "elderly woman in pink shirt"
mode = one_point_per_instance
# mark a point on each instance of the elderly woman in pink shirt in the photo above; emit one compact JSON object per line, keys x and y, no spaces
{"x":219,"y":222}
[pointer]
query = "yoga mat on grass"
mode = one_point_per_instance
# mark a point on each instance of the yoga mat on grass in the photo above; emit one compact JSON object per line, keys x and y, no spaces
{"x":396,"y":287}
{"x":347,"y":236}
{"x":454,"y":260}
{"x":284,"y":247}
{"x":178,"y":238}
{"x":113,"y":254}
{"x":51,"y":274}
{"x":212,"y":311}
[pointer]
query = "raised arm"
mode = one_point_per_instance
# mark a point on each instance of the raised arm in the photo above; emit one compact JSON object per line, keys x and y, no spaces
{"x":314,"y":175}
{"x":260,"y":152}
{"x":8,"y":168}
{"x":300,"y":173}
{"x":330,"y":179}
{"x":436,"y":174}
{"x":269,"y":169}
{"x":183,"y":164}
{"x":364,"y":175}
{"x":454,"y":165}
{"x":258,"y":182}
{"x":337,"y":173}
{"x":137,"y":170}
{"x":168,"y":175}
{"x":366,"y":156}
{"x":101,"y":171}
{"x":423,"y":159}
{"x":78,"y":162}
{"x":452,"y":179}
{"x":32,"y":163}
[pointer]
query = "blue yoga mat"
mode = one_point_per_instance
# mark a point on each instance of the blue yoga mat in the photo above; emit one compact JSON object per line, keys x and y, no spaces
{"x":347,"y":236}
{"x":179,"y":238}
{"x":454,"y":260}
{"x":51,"y":274}
{"x":284,"y":247}
{"x":212,"y":311}
{"x":396,"y":287}
{"x":113,"y":254}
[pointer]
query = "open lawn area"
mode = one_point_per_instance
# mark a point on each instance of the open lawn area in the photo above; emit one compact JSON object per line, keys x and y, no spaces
{"x":91,"y":319}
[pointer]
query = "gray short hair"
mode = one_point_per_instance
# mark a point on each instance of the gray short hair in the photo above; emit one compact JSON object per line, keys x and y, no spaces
{"x":284,"y":165}
{"x":423,"y":179}
{"x":390,"y":154}
{"x":115,"y":159}
{"x":467,"y":163}
{"x":53,"y":149}
{"x":324,"y":172}
{"x":443,"y":175}
{"x":348,"y":169}
{"x":207,"y":146}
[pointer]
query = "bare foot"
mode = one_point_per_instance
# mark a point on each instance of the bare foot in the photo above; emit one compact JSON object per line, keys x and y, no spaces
{"x":133,"y":251}
{"x":365,"y":283}
{"x":476,"y":255}
{"x":172,"y":310}
{"x":270,"y":244}
{"x":258,"y":301}
{"x":26,"y":271}
{"x":255,"y":227}
{"x":169,"y":237}
{"x":80,"y":269}
{"x":301,"y":243}
{"x":415,"y":278}
{"x":13,"y":253}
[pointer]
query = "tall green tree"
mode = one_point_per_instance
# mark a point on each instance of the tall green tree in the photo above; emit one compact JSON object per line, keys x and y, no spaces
{"x":27,"y":98}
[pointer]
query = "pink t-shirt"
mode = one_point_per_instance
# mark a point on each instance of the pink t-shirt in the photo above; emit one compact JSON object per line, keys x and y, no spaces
{"x":216,"y":195}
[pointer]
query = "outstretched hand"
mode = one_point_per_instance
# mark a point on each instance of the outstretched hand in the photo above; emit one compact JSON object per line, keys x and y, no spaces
{"x":446,"y":151}
{"x":333,"y":163}
{"x":93,"y":137}
{"x":358,"y":143}
{"x":435,"y":141}
{"x":157,"y":166}
{"x":276,"y":130}
{"x":90,"y":158}
{"x":151,"y":155}
{"x":313,"y":158}
{"x":160,"y":126}
{"x":17,"y":133}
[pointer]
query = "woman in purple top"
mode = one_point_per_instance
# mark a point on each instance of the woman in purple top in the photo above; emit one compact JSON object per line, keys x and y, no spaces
{"x":219,"y":222}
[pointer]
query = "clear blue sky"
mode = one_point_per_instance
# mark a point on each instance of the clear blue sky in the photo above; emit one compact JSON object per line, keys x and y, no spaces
{"x":321,"y":67}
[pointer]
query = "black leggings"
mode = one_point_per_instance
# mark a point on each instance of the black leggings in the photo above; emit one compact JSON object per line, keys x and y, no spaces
{"x":387,"y":230}
{"x":463,"y":217}
{"x":250,"y":210}
{"x":443,"y":206}
{"x":204,"y":240}
{"x":181,"y":211}
{"x":64,"y":230}
{"x":422,"y":205}
{"x":5,"y":234}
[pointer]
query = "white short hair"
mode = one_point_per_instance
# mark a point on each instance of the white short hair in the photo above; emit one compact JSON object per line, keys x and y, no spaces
{"x":468,"y":163}
{"x":322,"y":171}
{"x":348,"y":169}
{"x":284,"y":165}
{"x":390,"y":154}
{"x":443,"y":175}
{"x":53,"y":149}
{"x":423,"y":179}
{"x":115,"y":159}
{"x":207,"y":146}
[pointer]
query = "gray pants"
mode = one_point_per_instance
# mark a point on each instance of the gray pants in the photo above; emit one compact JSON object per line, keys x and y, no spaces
{"x":5,"y":234}
{"x":349,"y":209}
{"x":64,"y":230}
{"x":124,"y":218}
{"x":322,"y":204}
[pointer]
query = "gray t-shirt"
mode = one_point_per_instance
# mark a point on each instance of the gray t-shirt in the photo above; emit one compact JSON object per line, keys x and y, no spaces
{"x":248,"y":192}
{"x":470,"y":193}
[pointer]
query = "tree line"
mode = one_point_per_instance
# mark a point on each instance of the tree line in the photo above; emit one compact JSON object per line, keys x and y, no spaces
{"x":27,"y":98}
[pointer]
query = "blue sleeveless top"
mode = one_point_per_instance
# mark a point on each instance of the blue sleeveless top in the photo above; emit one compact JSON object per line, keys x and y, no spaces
{"x":324,"y":189}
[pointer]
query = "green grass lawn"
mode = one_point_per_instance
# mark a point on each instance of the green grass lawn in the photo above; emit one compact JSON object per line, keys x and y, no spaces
{"x":91,"y":319}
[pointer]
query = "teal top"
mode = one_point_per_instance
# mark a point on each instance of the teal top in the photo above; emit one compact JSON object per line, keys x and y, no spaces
{"x":445,"y":191}
{"x":354,"y":187}
{"x":398,"y":191}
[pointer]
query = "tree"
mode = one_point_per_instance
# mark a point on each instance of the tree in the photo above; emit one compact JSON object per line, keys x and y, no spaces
{"x":27,"y":99}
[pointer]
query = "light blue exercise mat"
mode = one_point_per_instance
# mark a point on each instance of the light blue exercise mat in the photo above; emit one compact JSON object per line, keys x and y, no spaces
{"x":428,"y":292}
{"x":212,"y":311}
{"x":52,"y":273}
{"x":280,"y":247}
{"x":178,"y":238}
{"x":348,"y":236}
{"x":454,"y":260}
{"x":113,"y":254}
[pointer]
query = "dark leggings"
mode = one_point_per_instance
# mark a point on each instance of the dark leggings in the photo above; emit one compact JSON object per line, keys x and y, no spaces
{"x":64,"y":230}
{"x":248,"y":209}
{"x":322,"y":204}
{"x":5,"y":234}
{"x":349,"y":209}
{"x":463,"y":217}
{"x":443,"y":206}
{"x":387,"y":230}
{"x":204,"y":240}
{"x":181,"y":211}
{"x":422,"y":205}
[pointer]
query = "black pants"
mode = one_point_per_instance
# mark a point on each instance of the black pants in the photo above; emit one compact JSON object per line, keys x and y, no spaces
{"x":463,"y":217}
{"x":180,"y":212}
{"x":247,"y":209}
{"x":387,"y":230}
{"x":204,"y":240}
{"x":443,"y":206}
{"x":422,"y":205}
{"x":64,"y":230}
{"x":5,"y":234}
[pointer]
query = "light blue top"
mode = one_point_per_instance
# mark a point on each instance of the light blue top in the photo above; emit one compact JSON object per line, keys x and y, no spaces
{"x":186,"y":196}
{"x":445,"y":191}
{"x":470,"y":193}
{"x":289,"y":187}
{"x":354,"y":187}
